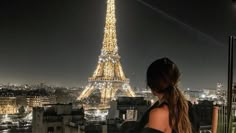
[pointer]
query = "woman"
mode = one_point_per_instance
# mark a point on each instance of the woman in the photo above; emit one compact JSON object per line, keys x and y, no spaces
{"x":171,"y":113}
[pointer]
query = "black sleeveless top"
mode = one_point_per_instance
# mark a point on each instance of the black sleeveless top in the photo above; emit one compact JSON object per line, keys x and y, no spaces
{"x":140,"y":127}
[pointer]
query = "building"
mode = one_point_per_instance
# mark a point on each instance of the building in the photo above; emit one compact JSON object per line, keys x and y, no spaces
{"x":12,"y":99}
{"x":8,"y":105}
{"x":39,"y":101}
{"x":7,"y":102}
{"x":128,"y":108}
{"x":125,"y":112}
{"x":57,"y":118}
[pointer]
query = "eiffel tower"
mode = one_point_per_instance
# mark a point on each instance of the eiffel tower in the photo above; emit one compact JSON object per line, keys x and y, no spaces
{"x":108,"y":77}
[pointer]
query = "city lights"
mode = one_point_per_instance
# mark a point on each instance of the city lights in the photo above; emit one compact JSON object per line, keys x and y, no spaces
{"x":47,"y":50}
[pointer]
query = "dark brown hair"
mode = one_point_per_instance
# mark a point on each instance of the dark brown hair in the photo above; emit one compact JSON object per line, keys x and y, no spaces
{"x":165,"y":71}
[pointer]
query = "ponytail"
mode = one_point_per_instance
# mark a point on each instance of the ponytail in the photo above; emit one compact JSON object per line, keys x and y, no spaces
{"x":178,"y":110}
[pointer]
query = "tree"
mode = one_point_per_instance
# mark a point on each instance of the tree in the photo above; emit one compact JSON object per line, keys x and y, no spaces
{"x":21,"y":110}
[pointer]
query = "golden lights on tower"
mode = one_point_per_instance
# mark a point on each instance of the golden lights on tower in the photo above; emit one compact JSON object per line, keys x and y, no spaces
{"x":108,"y":76}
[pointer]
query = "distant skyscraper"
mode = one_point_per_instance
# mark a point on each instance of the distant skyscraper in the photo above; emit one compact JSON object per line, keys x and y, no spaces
{"x":108,"y":77}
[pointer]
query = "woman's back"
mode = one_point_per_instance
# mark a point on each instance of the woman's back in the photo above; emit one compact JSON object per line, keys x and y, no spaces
{"x":156,"y":119}
{"x":159,"y":119}
{"x":143,"y":122}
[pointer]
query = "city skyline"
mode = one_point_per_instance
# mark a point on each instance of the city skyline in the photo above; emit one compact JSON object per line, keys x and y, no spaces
{"x":43,"y":42}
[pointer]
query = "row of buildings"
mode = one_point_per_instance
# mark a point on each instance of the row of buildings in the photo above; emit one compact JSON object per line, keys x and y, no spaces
{"x":63,"y":118}
{"x":12,"y":100}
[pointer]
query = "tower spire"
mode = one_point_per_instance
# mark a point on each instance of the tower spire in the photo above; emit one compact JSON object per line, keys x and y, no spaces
{"x":110,"y":40}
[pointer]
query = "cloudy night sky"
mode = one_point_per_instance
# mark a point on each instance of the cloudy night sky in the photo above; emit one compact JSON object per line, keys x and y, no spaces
{"x":58,"y":42}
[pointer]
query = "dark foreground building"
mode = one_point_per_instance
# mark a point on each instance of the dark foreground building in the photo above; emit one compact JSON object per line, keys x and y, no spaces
{"x":57,"y":118}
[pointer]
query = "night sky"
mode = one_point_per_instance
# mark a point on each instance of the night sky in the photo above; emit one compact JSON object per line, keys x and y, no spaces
{"x":58,"y":42}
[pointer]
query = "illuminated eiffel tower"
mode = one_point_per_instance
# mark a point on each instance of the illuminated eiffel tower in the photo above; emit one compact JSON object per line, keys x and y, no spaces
{"x":108,"y":77}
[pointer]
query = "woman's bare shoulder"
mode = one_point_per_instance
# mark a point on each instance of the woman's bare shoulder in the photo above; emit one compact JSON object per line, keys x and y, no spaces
{"x":159,"y":118}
